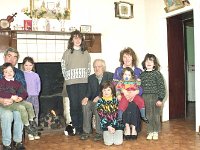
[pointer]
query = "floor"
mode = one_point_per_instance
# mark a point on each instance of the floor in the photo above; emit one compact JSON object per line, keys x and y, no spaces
{"x":178,"y":134}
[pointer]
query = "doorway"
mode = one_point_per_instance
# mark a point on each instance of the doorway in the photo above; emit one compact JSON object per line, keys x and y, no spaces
{"x":179,"y":58}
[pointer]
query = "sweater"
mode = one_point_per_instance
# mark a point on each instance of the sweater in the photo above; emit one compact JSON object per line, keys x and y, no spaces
{"x":107,"y":110}
{"x":9,"y":88}
{"x":131,"y":85}
{"x":76,"y":66}
{"x":152,"y":82}
{"x":33,"y":83}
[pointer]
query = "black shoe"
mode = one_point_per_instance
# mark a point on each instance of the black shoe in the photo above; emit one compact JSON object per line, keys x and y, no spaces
{"x":145,"y":119}
{"x":7,"y":147}
{"x":133,"y":137}
{"x":18,"y":146}
{"x":127,"y":137}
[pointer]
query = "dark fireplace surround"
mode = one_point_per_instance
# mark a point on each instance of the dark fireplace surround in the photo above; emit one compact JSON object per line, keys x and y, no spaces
{"x":50,"y":97}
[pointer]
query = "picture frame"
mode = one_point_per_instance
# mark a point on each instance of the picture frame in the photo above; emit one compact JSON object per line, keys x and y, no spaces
{"x":85,"y":28}
{"x":123,"y":10}
{"x":54,"y":9}
{"x":172,"y":5}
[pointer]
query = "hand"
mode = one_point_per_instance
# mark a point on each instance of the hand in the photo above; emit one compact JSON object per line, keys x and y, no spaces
{"x":119,"y":97}
{"x":19,"y":99}
{"x":131,"y":95}
{"x":14,"y":97}
{"x":84,"y":101}
{"x":159,"y":103}
{"x":96,"y":99}
{"x":111,"y":129}
{"x":7,"y":102}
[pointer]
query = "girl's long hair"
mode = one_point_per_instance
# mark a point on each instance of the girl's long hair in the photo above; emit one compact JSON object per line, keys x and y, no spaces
{"x":77,"y":33}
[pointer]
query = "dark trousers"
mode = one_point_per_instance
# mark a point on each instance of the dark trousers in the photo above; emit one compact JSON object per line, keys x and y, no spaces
{"x":76,"y":93}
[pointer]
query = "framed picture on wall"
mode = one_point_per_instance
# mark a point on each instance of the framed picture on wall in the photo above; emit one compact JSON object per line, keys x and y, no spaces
{"x":172,"y":5}
{"x":50,"y":9}
{"x":123,"y":10}
{"x":85,"y":28}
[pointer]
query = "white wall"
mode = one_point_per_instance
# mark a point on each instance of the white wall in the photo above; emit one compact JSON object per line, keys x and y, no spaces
{"x":146,"y":32}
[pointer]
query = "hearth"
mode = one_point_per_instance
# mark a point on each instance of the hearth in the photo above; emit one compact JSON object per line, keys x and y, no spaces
{"x":51,"y":87}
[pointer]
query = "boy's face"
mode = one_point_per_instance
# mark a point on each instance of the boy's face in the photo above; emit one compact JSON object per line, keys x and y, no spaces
{"x":127,"y":75}
{"x":107,"y":92}
{"x":8,"y":72}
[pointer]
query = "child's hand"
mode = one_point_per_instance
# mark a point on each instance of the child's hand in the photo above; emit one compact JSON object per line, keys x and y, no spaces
{"x":159,"y":103}
{"x":119,"y":97}
{"x":124,"y":91}
{"x":111,"y":129}
{"x":19,"y":99}
{"x":14,"y":97}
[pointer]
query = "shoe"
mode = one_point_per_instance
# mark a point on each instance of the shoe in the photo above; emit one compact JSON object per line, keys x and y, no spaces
{"x":127,"y":137}
{"x":155,"y":136}
{"x":98,"y":137}
{"x":133,"y":137}
{"x":36,"y":137}
{"x":150,"y":136}
{"x":30,"y":137}
{"x":7,"y":147}
{"x":18,"y":146}
{"x":84,"y":136}
{"x":145,"y":119}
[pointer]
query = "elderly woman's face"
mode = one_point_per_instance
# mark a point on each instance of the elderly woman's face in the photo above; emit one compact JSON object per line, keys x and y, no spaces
{"x":127,"y":59}
{"x":98,"y":68}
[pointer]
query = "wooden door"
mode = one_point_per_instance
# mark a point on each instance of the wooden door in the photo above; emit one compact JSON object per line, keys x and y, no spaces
{"x":176,"y":62}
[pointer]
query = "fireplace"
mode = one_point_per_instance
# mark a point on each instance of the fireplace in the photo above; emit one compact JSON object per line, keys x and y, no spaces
{"x":50,"y":97}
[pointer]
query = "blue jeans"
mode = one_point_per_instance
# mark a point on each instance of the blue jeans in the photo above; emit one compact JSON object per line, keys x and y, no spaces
{"x":7,"y":117}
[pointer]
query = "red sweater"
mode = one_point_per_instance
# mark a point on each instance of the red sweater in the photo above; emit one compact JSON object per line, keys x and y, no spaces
{"x":9,"y":88}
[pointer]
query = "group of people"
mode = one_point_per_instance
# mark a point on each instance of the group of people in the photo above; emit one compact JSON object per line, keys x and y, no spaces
{"x":19,"y":91}
{"x":118,"y":100}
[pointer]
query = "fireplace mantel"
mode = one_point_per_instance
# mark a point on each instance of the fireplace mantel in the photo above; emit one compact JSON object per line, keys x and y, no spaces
{"x":44,"y":46}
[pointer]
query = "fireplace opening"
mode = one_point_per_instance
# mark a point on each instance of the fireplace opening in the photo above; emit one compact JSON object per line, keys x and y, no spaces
{"x":50,"y":97}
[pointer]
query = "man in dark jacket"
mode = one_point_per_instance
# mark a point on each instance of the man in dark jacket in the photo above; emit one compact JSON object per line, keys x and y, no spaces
{"x":89,"y":102}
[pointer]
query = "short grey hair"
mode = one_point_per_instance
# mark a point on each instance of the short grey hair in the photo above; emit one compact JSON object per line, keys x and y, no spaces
{"x":102,"y":62}
{"x":10,"y":49}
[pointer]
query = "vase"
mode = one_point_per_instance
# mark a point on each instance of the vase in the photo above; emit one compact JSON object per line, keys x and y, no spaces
{"x":62,"y":25}
{"x":35,"y":24}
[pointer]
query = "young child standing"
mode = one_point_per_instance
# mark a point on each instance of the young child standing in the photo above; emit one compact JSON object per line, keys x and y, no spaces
{"x":33,"y":84}
{"x":10,"y":88}
{"x":154,"y":92}
{"x":127,"y":84}
{"x":107,"y":107}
